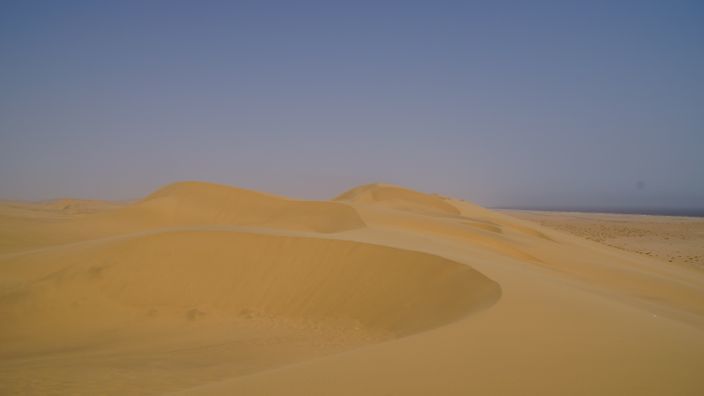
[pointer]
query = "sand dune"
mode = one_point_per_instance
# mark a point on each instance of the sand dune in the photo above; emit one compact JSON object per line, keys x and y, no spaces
{"x":84,"y":288}
{"x":194,"y":203}
{"x":398,"y":198}
{"x":183,"y":204}
{"x":209,"y":289}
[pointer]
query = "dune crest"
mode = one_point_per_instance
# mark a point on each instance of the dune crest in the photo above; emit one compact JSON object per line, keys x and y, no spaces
{"x":199,"y":203}
{"x":398,"y":198}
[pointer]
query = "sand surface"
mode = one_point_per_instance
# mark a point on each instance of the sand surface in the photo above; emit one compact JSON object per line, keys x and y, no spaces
{"x":678,"y":240}
{"x":202,"y":289}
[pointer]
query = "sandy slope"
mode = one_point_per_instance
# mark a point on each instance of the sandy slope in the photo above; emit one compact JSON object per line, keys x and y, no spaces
{"x":208,"y":289}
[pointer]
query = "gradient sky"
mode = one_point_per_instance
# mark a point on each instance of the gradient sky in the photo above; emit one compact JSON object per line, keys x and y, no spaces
{"x":559,"y":103}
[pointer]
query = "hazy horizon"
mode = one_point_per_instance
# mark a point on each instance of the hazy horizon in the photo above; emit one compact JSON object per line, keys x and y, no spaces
{"x":550,"y":104}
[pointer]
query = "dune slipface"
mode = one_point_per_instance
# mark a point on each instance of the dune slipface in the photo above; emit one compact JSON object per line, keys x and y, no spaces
{"x":105,"y":285}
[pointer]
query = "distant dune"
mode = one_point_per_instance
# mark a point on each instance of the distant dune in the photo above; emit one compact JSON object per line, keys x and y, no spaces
{"x":194,"y":203}
{"x":204,"y":289}
{"x":398,"y":198}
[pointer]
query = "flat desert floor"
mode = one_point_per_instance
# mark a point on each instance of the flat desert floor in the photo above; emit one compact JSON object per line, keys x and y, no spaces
{"x":678,"y":240}
{"x":205,"y":289}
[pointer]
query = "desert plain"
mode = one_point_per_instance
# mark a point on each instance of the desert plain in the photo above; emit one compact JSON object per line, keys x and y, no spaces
{"x":207,"y":289}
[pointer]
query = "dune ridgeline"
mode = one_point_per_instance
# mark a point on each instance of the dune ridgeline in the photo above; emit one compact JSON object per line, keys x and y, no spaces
{"x":209,"y":289}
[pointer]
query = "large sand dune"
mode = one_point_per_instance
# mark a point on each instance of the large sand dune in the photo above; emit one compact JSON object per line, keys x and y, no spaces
{"x":84,"y":287}
{"x":192,"y":203}
{"x":209,"y":289}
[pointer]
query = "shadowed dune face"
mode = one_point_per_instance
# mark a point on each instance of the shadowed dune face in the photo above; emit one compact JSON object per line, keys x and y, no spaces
{"x":399,"y":198}
{"x":192,"y":275}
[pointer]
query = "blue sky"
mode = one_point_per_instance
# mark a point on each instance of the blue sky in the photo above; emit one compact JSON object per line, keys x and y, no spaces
{"x":544,"y":103}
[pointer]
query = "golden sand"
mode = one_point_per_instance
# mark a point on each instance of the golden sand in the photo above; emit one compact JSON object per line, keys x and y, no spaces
{"x":203,"y":289}
{"x":678,"y":240}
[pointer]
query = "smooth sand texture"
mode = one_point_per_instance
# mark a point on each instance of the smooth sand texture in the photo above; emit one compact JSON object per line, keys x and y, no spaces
{"x":205,"y":289}
{"x":399,"y":198}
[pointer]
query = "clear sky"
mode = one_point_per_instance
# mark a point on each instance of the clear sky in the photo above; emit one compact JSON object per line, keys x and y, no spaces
{"x":548,"y":103}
